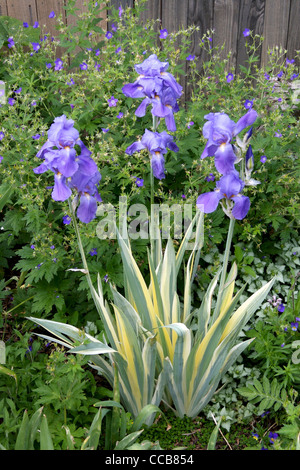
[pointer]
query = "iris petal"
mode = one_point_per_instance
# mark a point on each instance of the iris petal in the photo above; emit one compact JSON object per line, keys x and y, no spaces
{"x":66,"y":163}
{"x":158,"y":165}
{"x":247,"y":120}
{"x":133,"y":90}
{"x":241,"y":206}
{"x":135,"y":147}
{"x":61,"y":192}
{"x":225,"y":159}
{"x":141,"y":109}
{"x":230,"y":185}
{"x":208,"y":202}
{"x":87,"y":208}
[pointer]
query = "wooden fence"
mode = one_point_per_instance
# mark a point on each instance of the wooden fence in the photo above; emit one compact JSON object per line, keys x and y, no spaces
{"x":277,"y":20}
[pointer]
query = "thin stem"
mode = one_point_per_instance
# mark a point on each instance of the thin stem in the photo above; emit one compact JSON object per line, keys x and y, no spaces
{"x":151,"y":186}
{"x":155,"y":123}
{"x":225,"y":264}
{"x":84,"y":262}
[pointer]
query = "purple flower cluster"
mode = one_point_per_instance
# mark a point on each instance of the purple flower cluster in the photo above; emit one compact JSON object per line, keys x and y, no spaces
{"x":156,"y":143}
{"x":71,"y":171}
{"x":158,"y":88}
{"x":219,"y":131}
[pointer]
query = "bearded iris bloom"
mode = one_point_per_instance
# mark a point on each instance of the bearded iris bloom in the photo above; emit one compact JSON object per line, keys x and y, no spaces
{"x":71,"y":171}
{"x":156,"y":143}
{"x":158,"y":88}
{"x":229,"y":187}
{"x":219,"y":131}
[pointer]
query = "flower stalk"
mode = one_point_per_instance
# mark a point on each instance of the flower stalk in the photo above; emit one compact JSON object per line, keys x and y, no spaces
{"x":225,"y":265}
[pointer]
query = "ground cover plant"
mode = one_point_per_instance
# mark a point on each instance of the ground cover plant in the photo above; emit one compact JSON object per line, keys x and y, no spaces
{"x":153,"y":344}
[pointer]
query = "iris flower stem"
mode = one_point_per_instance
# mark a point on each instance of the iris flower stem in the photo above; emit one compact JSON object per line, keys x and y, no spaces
{"x":224,"y":268}
{"x":84,"y":262}
{"x":155,"y":123}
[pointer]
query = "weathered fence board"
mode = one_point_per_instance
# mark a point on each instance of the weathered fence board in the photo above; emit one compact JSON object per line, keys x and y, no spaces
{"x":3,"y":7}
{"x":277,"y":20}
{"x":293,"y":42}
{"x":275,"y":25}
{"x":252,"y":17}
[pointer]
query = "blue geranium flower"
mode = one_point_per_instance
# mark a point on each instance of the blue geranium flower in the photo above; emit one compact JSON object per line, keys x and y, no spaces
{"x":163,"y":33}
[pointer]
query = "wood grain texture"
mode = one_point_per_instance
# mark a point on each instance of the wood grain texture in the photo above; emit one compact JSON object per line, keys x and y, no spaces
{"x":293,"y":42}
{"x":174,"y":17}
{"x":174,"y":14}
{"x":252,"y":14}
{"x":24,"y":10}
{"x":3,"y":8}
{"x":277,"y":13}
{"x":277,"y":20}
{"x":226,"y":18}
{"x":152,"y":10}
{"x":200,"y":14}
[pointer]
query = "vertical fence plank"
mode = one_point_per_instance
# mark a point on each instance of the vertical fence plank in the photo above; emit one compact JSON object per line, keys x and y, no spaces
{"x":152,"y":11}
{"x":276,"y":20}
{"x":22,"y":10}
{"x":226,"y":18}
{"x":123,"y":3}
{"x":44,"y":8}
{"x":275,"y":26}
{"x":200,"y":14}
{"x":48,"y":25}
{"x":120,"y":3}
{"x":252,"y":14}
{"x":293,"y":42}
{"x":3,"y":8}
{"x":173,"y":17}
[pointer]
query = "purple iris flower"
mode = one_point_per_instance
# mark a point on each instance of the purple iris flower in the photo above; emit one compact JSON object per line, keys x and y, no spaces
{"x":219,"y":131}
{"x":228,"y":187}
{"x":157,"y":144}
{"x":158,"y":88}
{"x":71,"y":171}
